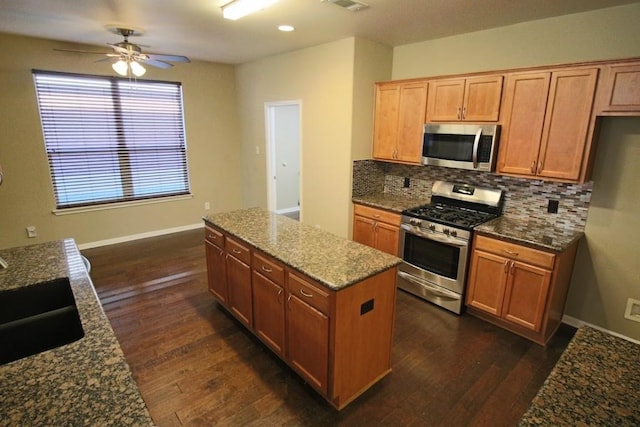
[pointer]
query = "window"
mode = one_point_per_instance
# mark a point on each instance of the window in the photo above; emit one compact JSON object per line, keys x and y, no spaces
{"x":111,"y":139}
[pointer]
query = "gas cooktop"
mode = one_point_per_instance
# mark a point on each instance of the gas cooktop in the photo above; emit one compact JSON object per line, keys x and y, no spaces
{"x":450,"y":215}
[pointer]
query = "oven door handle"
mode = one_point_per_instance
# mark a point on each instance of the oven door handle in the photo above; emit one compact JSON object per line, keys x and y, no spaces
{"x":443,"y":293}
{"x":433,"y":236}
{"x":476,"y":143}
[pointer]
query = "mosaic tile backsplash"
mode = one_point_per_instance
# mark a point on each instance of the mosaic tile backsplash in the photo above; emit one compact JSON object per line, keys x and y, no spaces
{"x":524,"y":198}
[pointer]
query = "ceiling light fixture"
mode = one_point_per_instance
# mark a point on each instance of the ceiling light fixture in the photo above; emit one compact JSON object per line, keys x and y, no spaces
{"x":123,"y":67}
{"x":236,"y":9}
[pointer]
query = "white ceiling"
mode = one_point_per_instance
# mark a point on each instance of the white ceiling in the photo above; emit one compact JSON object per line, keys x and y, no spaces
{"x":195,"y":28}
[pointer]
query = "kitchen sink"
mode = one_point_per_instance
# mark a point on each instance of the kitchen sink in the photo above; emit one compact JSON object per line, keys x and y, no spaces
{"x":37,"y":318}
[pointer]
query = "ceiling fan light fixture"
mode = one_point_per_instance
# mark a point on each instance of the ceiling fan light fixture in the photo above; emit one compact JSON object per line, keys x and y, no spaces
{"x":237,"y":9}
{"x":137,"y":69}
{"x":120,"y":67}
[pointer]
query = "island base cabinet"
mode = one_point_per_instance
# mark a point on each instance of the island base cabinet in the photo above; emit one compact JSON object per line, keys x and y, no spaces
{"x":308,"y":339}
{"x":239,"y":288}
{"x":216,"y":272}
{"x":268,"y":312}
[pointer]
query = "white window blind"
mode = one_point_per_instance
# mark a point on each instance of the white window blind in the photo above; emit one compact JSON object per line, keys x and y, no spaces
{"x":110,"y":139}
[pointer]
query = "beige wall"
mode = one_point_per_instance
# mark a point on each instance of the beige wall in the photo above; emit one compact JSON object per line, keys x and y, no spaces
{"x":603,"y":34}
{"x":607,"y":270}
{"x":322,"y":77}
{"x":26,"y":197}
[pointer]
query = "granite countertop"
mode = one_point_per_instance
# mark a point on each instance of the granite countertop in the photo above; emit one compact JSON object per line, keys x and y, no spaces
{"x":390,"y":202}
{"x":594,"y":383}
{"x":86,"y":382}
{"x":333,"y":261}
{"x":536,"y":234}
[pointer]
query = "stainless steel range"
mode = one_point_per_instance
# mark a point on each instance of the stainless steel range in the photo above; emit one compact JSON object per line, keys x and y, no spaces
{"x":435,"y":241}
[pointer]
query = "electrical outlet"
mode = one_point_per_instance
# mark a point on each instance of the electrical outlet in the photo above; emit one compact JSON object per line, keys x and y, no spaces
{"x":633,"y":310}
{"x":407,"y":182}
{"x":31,"y":231}
{"x":207,"y":206}
{"x":552,"y":207}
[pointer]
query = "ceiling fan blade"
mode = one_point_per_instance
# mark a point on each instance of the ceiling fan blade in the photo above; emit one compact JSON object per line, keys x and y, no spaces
{"x":105,"y":59}
{"x":155,"y":63}
{"x":120,"y":49}
{"x":80,"y":51}
{"x":170,"y":58}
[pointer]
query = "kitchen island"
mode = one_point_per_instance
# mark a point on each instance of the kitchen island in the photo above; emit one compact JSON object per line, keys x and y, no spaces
{"x":84,"y":382}
{"x":324,"y":304}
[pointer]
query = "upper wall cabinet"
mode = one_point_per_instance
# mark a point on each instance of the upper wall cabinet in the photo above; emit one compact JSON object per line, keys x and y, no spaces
{"x":547,"y":124}
{"x":620,"y":92}
{"x":398,"y":122}
{"x":474,"y":99}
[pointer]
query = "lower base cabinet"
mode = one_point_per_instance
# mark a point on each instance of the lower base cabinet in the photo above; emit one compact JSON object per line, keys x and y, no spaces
{"x":338,"y":341}
{"x":519,"y":288}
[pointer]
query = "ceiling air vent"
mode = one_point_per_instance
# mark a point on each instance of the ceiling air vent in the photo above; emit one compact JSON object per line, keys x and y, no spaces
{"x":351,"y":5}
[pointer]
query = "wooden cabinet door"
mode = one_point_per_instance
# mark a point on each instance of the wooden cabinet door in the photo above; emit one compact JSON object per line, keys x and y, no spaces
{"x":411,"y":118}
{"x":239,"y":290}
{"x":268,"y":312}
{"x":567,"y":121}
{"x":385,"y":128}
{"x":216,"y":271}
{"x":445,"y":100}
{"x":308,"y":342}
{"x":482,"y":97}
{"x":363,"y":230}
{"x":622,"y":89}
{"x":387,"y":237}
{"x":487,"y":281}
{"x":526,"y":295}
{"x":523,"y":119}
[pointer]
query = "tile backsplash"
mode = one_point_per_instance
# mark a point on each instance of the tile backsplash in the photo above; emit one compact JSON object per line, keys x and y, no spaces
{"x":524,"y":198}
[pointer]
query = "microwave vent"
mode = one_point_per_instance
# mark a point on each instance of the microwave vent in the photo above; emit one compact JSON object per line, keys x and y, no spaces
{"x":352,"y":5}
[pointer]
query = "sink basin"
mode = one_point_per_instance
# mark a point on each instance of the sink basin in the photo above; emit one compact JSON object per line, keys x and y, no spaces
{"x":37,"y":318}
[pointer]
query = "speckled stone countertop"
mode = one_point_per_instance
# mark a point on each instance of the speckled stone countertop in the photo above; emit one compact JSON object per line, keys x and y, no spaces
{"x":333,"y":261}
{"x":390,"y":202}
{"x":531,"y":233}
{"x":86,"y":382}
{"x":594,"y":383}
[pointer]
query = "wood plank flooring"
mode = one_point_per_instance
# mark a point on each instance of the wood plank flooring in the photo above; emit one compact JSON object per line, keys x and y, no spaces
{"x":195,"y":365}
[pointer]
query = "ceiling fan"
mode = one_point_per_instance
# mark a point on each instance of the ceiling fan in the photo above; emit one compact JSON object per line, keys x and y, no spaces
{"x":127,"y":58}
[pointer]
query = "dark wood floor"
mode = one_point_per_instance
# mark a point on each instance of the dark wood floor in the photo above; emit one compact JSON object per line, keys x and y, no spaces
{"x":195,"y":365}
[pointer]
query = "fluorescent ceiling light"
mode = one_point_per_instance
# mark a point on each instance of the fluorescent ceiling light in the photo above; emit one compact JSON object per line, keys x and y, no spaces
{"x":239,"y":8}
{"x":286,"y":28}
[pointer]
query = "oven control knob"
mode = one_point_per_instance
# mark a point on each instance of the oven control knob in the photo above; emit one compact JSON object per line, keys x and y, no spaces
{"x":446,"y":231}
{"x":415,"y":222}
{"x":454,"y":233}
{"x":432,"y":227}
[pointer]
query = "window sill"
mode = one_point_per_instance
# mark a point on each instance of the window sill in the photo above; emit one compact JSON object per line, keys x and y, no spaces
{"x":70,"y":211}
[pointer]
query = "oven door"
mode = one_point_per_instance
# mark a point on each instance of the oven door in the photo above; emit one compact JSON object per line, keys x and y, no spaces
{"x":434,"y":266}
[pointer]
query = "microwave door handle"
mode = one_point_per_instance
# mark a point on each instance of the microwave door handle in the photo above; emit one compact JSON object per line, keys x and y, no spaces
{"x":433,"y":236}
{"x":476,"y":144}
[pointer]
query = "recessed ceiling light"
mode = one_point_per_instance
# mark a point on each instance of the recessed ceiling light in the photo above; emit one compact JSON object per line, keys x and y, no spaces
{"x":286,"y":28}
{"x":236,"y":9}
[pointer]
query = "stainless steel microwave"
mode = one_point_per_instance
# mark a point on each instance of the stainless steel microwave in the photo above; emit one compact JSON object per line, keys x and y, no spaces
{"x":460,"y":145}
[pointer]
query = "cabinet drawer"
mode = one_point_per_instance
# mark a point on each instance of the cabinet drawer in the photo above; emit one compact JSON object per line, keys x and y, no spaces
{"x":268,"y":268}
{"x":214,"y":236}
{"x":515,"y":251}
{"x":311,"y":294}
{"x":238,"y":250}
{"x":377,"y":214}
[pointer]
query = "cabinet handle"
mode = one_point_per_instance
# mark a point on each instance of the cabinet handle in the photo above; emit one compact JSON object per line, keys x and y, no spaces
{"x":236,"y":251}
{"x":464,"y":112}
{"x":533,"y":167}
{"x":507,"y":251}
{"x":506,"y":266}
{"x":376,"y":216}
{"x":304,"y":294}
{"x":279,"y":293}
{"x":513,"y":264}
{"x":266,"y":269}
{"x":213,"y":237}
{"x":540,"y":165}
{"x":459,"y":113}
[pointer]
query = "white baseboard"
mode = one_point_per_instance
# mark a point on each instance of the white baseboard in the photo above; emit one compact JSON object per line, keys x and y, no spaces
{"x":288,"y":210}
{"x":139,"y":236}
{"x":577,"y":323}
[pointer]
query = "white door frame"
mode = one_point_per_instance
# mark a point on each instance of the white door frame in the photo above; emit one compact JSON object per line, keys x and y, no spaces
{"x":270,"y":150}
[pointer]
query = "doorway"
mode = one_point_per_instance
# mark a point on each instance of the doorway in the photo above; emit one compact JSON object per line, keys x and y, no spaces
{"x":283,"y":157}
